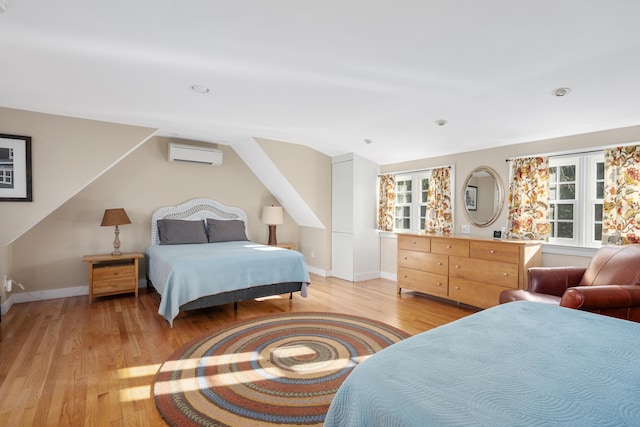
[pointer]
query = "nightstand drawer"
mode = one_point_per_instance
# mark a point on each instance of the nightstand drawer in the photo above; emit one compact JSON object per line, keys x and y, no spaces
{"x":126,"y":271}
{"x":114,"y":286}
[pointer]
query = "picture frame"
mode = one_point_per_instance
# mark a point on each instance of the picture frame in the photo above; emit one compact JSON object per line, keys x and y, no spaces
{"x":471,"y":198}
{"x":15,"y":168}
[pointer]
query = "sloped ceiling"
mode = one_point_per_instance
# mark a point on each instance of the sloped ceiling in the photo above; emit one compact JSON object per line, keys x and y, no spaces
{"x":330,"y":74}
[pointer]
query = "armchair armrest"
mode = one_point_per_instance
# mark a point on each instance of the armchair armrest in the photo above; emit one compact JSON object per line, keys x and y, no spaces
{"x":554,"y":280}
{"x":600,"y":298}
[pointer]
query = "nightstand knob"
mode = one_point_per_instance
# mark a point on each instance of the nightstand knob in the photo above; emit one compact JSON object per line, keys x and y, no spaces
{"x":457,"y":288}
{"x":492,"y":251}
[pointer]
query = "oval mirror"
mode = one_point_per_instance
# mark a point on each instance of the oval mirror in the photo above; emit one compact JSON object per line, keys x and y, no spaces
{"x":483,"y":196}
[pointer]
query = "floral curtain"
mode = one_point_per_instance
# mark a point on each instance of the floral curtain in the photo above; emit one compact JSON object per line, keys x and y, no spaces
{"x":386,"y":201}
{"x":621,"y":213}
{"x":528,"y":216}
{"x":438,"y":215}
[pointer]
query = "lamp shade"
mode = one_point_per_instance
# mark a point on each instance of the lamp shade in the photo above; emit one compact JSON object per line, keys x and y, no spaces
{"x":115,"y":217}
{"x":272,"y":215}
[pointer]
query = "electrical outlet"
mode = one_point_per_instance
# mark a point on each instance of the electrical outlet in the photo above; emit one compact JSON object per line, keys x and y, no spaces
{"x":6,"y":283}
{"x":313,"y":254}
{"x":465,"y":229}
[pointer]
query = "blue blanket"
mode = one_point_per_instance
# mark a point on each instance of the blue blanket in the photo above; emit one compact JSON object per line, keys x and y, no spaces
{"x":184,"y":273}
{"x":517,"y":364}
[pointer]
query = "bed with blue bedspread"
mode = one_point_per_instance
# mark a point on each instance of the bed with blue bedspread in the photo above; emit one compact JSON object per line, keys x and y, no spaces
{"x":200,"y":256}
{"x":517,"y":364}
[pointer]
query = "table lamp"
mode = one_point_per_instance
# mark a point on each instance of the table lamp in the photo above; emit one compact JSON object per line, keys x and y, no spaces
{"x":115,"y":217}
{"x":272,"y":216}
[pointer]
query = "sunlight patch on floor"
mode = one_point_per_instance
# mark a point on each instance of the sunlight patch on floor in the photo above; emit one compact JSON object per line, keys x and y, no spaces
{"x":138,"y":371}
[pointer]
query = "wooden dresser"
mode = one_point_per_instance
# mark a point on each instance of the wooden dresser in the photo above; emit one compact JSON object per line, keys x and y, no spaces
{"x":470,"y":270}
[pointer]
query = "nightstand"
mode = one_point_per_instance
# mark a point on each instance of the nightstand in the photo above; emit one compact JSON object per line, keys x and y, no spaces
{"x":112,"y":274}
{"x":286,"y":246}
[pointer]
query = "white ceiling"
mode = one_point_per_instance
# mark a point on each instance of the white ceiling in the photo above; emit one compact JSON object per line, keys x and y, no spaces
{"x":330,"y":74}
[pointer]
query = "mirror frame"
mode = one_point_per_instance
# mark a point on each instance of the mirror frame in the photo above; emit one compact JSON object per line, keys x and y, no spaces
{"x":499,"y":186}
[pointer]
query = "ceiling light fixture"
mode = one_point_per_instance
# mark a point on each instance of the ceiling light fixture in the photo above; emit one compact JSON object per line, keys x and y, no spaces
{"x":561,"y":91}
{"x":199,"y":88}
{"x":441,"y":122}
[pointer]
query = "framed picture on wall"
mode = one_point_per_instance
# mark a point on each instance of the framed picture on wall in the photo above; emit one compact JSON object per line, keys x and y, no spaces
{"x":471,"y":197}
{"x":15,"y":168}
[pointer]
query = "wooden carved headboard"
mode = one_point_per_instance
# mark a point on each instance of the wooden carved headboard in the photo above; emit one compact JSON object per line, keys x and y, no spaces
{"x":197,"y":209}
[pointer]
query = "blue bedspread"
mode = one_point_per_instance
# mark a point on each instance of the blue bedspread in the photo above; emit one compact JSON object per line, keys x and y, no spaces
{"x":517,"y":364}
{"x":184,"y":273}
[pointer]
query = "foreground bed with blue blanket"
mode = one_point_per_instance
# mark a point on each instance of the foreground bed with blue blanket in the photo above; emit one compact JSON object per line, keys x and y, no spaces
{"x":517,"y":364}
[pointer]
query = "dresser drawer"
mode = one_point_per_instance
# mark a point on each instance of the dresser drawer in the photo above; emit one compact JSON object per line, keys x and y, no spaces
{"x":450,"y":247}
{"x":421,"y":281}
{"x":125,"y":271}
{"x":495,"y":251}
{"x":489,"y":272}
{"x":414,"y":243}
{"x":477,"y":294}
{"x":432,"y":263}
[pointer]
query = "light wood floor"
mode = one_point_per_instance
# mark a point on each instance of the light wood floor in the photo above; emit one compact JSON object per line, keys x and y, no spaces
{"x":65,"y":362}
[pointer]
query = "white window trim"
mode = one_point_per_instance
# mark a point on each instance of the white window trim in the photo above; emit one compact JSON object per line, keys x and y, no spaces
{"x":583,"y":215}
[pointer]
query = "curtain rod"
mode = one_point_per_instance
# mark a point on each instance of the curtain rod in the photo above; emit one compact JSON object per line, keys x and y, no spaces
{"x":570,"y":152}
{"x":557,"y":153}
{"x":416,"y":170}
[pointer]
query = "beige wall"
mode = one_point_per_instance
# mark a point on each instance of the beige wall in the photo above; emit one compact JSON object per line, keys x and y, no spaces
{"x":312,"y":172}
{"x":495,"y":159}
{"x":67,"y":153}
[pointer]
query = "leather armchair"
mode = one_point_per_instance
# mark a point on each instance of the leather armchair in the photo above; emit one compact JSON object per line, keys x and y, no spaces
{"x":609,"y":285}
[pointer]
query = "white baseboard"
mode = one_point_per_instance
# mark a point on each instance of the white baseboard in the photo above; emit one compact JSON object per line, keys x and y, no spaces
{"x":361,"y":277}
{"x":318,"y":271}
{"x":389,"y":276}
{"x":30,"y":296}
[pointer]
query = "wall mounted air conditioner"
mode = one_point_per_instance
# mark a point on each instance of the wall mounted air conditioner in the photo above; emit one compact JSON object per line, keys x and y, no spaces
{"x":194,"y":154}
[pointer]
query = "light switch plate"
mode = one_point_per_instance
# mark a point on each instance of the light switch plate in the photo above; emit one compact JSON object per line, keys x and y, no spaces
{"x":465,"y":229}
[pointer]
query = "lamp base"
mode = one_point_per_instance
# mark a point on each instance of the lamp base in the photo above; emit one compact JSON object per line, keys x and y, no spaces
{"x":116,"y":243}
{"x":272,"y":236}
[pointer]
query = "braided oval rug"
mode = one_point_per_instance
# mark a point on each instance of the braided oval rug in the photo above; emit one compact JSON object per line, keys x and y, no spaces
{"x":277,"y":370}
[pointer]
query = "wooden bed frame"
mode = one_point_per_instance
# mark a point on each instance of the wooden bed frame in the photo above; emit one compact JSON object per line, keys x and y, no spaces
{"x":202,"y":208}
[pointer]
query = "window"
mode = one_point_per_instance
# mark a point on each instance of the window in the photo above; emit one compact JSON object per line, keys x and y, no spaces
{"x":411,"y":201}
{"x":576,"y":193}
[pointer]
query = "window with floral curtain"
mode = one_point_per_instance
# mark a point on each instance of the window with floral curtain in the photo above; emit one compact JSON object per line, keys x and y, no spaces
{"x":621,"y":212}
{"x":438,"y":216}
{"x":386,"y":201}
{"x":528,"y":216}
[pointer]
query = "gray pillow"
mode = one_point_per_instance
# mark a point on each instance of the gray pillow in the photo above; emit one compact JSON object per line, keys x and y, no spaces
{"x":181,"y":232}
{"x":225,"y":230}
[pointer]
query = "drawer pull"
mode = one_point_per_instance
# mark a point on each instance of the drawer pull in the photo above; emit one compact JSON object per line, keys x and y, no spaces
{"x":457,"y":288}
{"x":438,"y":284}
{"x":439,"y":263}
{"x":492,"y":251}
{"x":406,"y":257}
{"x":414,"y":242}
{"x":457,"y":266}
{"x":448,"y":246}
{"x":505,"y":274}
{"x":405,"y":276}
